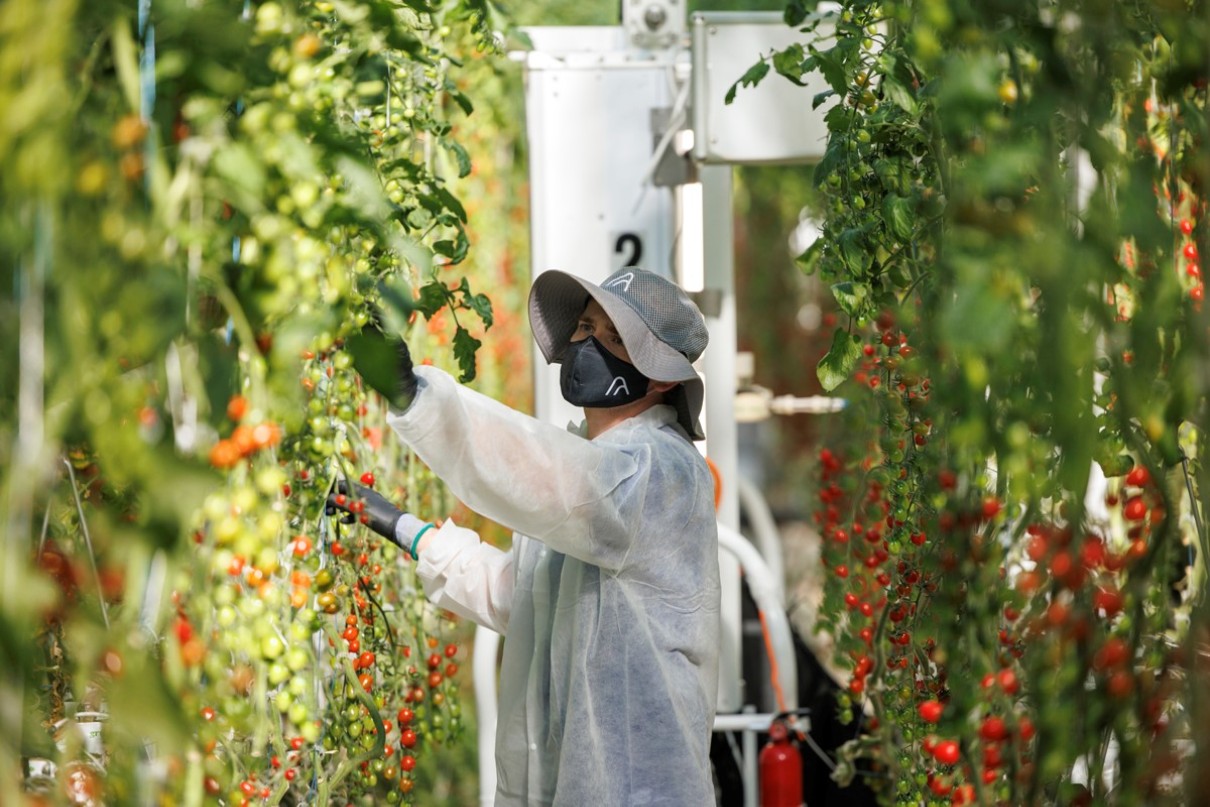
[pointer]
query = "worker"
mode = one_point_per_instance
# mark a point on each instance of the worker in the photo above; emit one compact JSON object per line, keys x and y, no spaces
{"x":608,"y":599}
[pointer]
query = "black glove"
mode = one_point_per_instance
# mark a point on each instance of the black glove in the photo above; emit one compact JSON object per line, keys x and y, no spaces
{"x":367,"y":506}
{"x":385,"y":364}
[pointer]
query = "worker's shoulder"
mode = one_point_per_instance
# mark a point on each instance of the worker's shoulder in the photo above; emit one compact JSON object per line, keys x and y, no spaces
{"x":659,"y":433}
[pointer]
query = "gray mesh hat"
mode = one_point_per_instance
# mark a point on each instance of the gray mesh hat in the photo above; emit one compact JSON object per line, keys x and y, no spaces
{"x":664,"y":332}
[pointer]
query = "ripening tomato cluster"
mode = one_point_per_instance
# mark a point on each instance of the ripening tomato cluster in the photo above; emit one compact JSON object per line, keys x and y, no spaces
{"x":245,"y":439}
{"x":1193,"y":269}
{"x":319,"y":619}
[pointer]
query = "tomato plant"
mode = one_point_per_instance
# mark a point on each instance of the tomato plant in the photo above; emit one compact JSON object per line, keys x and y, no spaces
{"x":201,"y":202}
{"x":1012,"y":203}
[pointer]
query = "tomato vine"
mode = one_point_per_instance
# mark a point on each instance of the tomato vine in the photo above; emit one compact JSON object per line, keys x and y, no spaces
{"x":1012,"y":212}
{"x":200,"y":202}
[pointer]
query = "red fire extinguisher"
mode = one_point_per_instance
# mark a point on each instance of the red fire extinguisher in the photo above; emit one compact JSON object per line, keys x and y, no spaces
{"x":780,"y":769}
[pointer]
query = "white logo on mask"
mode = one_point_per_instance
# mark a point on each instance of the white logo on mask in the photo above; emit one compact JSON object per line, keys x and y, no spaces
{"x":624,"y":281}
{"x":617,"y":387}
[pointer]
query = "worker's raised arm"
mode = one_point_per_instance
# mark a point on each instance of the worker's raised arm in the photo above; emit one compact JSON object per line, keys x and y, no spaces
{"x":530,"y":476}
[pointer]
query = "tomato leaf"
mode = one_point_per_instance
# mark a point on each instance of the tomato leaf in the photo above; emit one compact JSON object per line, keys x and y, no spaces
{"x":854,"y":251}
{"x":455,"y":250}
{"x":808,"y":261}
{"x":433,"y":297}
{"x":900,"y":96}
{"x":838,"y":118}
{"x":459,"y":98}
{"x":363,"y":191}
{"x":460,"y":155}
{"x":840,"y":360}
{"x":897,"y":212}
{"x":789,"y":63}
{"x":141,"y":705}
{"x":479,"y":303}
{"x":833,"y":155}
{"x":451,"y":203}
{"x":126,"y":61}
{"x":244,"y":174}
{"x":851,"y":296}
{"x":754,"y":75}
{"x":413,"y":252}
{"x":832,"y":69}
{"x":795,"y":13}
{"x":218,"y":365}
{"x":465,"y":346}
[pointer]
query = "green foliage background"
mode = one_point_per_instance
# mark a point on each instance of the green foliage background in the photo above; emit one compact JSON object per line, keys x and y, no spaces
{"x":1013,"y":213}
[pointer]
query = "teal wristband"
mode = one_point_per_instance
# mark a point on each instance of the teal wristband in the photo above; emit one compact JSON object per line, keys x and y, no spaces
{"x":416,"y":540}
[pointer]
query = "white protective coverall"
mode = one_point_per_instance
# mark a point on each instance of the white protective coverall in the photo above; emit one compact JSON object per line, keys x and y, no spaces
{"x":608,"y":599}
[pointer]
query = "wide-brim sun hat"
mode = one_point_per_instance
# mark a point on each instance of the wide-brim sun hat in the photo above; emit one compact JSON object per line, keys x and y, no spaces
{"x":663,"y":330}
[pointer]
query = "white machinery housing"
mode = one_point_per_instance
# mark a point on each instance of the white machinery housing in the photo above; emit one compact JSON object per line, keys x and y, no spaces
{"x":614,"y":183}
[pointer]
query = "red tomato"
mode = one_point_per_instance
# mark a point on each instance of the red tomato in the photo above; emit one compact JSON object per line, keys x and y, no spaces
{"x":1138,"y":476}
{"x":1111,"y":654}
{"x":947,"y":752}
{"x":1108,"y":600}
{"x":993,"y":729}
{"x":930,"y":711}
{"x":1008,"y":681}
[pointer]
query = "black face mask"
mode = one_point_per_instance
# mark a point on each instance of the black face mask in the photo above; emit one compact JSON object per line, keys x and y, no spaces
{"x":592,"y":376}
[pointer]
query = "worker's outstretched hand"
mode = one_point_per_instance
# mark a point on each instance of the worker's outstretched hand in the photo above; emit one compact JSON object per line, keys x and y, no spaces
{"x":385,"y":364}
{"x":359,"y":503}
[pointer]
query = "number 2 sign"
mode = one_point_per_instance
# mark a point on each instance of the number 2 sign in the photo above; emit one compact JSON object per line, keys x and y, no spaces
{"x":627,"y":251}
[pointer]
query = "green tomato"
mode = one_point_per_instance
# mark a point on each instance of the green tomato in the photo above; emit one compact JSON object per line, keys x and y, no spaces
{"x":251,"y":607}
{"x":245,"y":499}
{"x":215,"y":507}
{"x":226,"y":615}
{"x":299,"y":713}
{"x":270,"y":480}
{"x":272,"y":647}
{"x":227,"y":530}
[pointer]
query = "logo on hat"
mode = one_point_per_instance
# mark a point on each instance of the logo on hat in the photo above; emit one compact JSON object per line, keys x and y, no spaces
{"x":622,"y":280}
{"x":617,"y":387}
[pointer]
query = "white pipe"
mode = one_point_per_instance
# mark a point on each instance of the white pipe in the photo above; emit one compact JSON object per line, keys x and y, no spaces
{"x":764,"y":533}
{"x":758,"y":722}
{"x":483,"y":669}
{"x":764,"y":591}
{"x":751,"y":766}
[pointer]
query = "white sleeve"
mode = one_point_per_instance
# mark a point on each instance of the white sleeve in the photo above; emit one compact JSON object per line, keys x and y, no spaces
{"x":579,"y":497}
{"x":463,"y":574}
